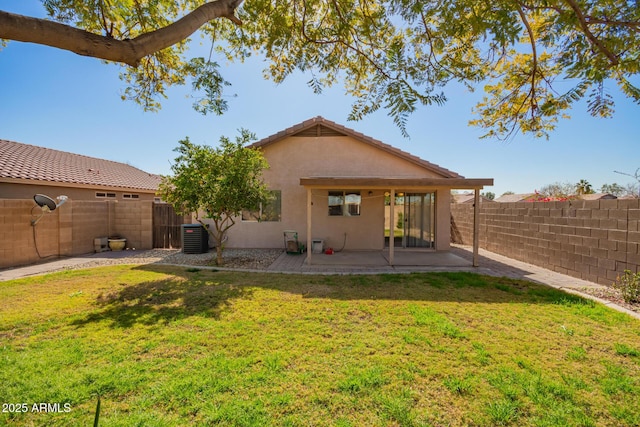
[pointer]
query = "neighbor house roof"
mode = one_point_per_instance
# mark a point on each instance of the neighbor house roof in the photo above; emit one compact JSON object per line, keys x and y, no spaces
{"x":512,"y":198}
{"x":597,"y":196}
{"x":319,"y":126}
{"x":26,"y":163}
{"x":467,"y":198}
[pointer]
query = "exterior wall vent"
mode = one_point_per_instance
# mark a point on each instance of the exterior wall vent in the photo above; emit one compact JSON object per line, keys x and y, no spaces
{"x":319,"y":130}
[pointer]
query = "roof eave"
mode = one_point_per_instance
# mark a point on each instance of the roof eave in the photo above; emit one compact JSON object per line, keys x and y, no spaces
{"x":379,"y":183}
{"x":28,"y":181}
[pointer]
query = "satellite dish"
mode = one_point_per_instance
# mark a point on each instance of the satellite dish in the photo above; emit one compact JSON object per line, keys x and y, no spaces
{"x":47,"y":204}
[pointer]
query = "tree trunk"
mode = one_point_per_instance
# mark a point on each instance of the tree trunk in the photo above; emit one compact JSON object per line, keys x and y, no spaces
{"x":219,"y":255}
{"x":42,"y":31}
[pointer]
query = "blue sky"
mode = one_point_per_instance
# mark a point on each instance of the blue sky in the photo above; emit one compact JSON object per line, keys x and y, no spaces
{"x":56,"y":99}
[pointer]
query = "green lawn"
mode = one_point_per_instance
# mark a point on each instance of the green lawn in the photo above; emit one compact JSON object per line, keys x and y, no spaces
{"x":396,"y":232}
{"x":172,"y":347}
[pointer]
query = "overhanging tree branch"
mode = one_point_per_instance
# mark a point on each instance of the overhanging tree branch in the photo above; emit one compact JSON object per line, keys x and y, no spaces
{"x":35,"y":30}
{"x":534,"y":60}
{"x":613,"y":59}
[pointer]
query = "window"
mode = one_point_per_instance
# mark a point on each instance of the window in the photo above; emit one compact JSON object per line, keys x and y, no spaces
{"x":344,"y":203}
{"x":130,"y":196}
{"x":106,"y":195}
{"x":271,"y":211}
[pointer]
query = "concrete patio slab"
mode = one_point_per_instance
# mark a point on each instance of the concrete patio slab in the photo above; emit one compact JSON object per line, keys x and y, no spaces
{"x":402,"y":258}
{"x":359,"y":258}
{"x":408,"y":258}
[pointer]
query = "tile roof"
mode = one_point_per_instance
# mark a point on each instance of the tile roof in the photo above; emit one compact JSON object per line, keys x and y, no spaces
{"x":468,"y":198}
{"x":304,"y":127}
{"x":29,"y":162}
{"x":514,"y":198}
{"x":597,"y":196}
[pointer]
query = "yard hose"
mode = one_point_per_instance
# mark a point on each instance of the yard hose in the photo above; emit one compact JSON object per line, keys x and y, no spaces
{"x":35,"y":240}
{"x":344,"y":243}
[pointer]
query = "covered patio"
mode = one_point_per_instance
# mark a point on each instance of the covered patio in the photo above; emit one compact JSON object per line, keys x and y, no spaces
{"x":390,"y":187}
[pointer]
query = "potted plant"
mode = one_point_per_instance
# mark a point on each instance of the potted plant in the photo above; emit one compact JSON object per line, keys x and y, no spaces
{"x":117,"y":243}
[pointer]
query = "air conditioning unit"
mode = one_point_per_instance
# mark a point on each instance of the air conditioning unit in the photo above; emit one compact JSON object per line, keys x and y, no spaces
{"x":195,"y":239}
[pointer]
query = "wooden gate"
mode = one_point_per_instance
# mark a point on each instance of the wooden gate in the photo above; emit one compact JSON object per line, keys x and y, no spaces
{"x":166,"y":227}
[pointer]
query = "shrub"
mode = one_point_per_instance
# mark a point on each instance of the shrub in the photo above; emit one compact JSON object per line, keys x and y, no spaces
{"x":629,"y":286}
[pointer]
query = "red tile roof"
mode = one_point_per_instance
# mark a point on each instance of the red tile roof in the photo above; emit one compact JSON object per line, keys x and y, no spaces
{"x":29,"y":162}
{"x":304,"y":127}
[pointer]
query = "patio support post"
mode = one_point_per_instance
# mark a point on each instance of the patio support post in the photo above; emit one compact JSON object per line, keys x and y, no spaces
{"x":392,"y":226}
{"x":476,"y":225}
{"x":309,"y":205}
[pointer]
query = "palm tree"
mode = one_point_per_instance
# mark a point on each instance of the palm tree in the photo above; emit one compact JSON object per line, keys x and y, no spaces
{"x":583,"y":187}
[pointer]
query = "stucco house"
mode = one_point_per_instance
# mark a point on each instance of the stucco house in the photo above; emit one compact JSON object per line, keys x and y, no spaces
{"x":26,"y":170}
{"x":104,"y":199}
{"x":335,"y":187}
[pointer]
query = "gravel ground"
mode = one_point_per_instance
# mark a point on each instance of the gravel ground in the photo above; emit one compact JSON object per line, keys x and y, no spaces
{"x":255,"y":259}
{"x":612,"y":295}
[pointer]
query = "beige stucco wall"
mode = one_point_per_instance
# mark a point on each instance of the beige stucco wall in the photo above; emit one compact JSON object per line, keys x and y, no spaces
{"x":296,"y":157}
{"x":443,"y":219}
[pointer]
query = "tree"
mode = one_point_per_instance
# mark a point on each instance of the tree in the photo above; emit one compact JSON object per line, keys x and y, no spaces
{"x":391,"y":54}
{"x":489,"y":195}
{"x":558,"y":190}
{"x":216,"y":182}
{"x":583,"y":187}
{"x":633,"y":189}
{"x":613,"y":189}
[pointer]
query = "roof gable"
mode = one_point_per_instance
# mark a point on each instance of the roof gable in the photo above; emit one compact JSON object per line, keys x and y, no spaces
{"x":31,"y":163}
{"x":319,"y":126}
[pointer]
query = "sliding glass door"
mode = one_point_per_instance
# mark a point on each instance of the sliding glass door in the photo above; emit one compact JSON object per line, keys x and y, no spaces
{"x":419,"y":220}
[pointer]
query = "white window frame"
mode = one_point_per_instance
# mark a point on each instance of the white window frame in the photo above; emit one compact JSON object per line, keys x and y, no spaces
{"x":257,"y":216}
{"x":105,"y":195}
{"x":346,"y":208}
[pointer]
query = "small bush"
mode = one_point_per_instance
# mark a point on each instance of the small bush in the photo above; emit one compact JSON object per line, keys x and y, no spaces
{"x":629,"y":286}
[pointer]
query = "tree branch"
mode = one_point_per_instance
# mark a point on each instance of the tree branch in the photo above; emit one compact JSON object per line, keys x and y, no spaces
{"x":534,"y":65}
{"x":634,"y":25}
{"x":584,"y":25}
{"x":34,"y":30}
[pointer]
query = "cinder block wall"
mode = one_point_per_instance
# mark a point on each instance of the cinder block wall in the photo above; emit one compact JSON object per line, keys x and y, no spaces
{"x":18,"y":238}
{"x":90,"y":219}
{"x":591,"y":240}
{"x":134,"y":221}
{"x":69,"y":230}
